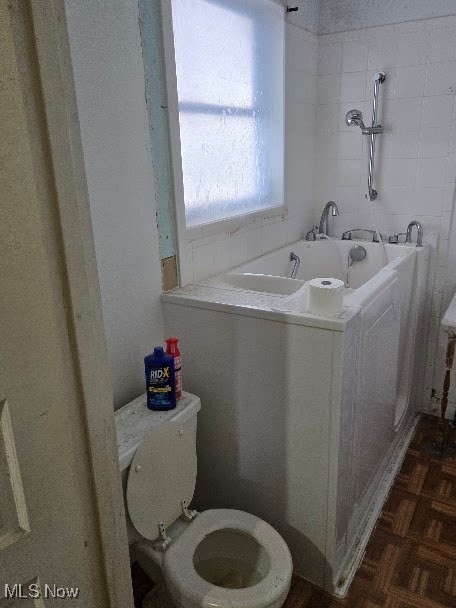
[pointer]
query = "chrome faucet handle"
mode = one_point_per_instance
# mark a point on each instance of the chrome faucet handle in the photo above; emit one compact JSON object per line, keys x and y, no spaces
{"x":347,"y":236}
{"x":312,"y":234}
{"x":395,"y":239}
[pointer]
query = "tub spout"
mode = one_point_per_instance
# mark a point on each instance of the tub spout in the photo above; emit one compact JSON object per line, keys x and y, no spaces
{"x":419,"y":238}
{"x":330,"y":206}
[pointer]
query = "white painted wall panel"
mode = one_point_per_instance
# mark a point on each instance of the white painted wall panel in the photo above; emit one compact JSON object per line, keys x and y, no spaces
{"x":262,"y":441}
{"x":109,"y":77}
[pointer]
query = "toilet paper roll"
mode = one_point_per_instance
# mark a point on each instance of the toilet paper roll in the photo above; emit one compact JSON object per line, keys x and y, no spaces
{"x":326,"y":297}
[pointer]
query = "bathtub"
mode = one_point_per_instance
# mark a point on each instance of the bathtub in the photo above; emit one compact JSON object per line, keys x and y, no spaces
{"x":325,"y":258}
{"x":305,"y":419}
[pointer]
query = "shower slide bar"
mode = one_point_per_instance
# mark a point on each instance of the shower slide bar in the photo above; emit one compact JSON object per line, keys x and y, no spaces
{"x":355,"y":118}
{"x":378,"y":78}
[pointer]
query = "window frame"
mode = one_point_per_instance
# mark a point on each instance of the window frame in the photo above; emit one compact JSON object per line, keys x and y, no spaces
{"x":185,"y":235}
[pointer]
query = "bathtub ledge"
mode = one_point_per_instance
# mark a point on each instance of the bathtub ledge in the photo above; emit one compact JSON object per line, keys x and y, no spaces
{"x":254,"y":304}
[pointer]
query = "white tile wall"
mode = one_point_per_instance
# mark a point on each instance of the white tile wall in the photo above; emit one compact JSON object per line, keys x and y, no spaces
{"x":412,"y":49}
{"x":354,"y":55}
{"x":212,"y":250}
{"x":416,"y":156}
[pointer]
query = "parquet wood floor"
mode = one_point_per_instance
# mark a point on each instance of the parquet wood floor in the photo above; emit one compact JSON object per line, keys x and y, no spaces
{"x":410,"y":560}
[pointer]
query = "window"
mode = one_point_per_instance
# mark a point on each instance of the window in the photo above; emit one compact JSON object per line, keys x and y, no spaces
{"x":229,"y":65}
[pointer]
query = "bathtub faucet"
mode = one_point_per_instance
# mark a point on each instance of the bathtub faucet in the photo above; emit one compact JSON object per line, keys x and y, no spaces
{"x":419,"y":238}
{"x":330,"y":205}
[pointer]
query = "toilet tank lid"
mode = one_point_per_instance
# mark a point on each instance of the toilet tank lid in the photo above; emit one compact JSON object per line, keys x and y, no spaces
{"x":135,"y":421}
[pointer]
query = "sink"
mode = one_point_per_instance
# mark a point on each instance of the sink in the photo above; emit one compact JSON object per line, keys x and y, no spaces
{"x":267,"y":283}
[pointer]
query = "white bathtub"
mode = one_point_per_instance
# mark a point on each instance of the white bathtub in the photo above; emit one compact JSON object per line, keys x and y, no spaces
{"x":324,"y":259}
{"x":304,"y":418}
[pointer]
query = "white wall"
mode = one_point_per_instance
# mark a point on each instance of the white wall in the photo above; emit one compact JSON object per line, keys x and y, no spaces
{"x":211,"y":250}
{"x":416,"y":156}
{"x":109,"y":77}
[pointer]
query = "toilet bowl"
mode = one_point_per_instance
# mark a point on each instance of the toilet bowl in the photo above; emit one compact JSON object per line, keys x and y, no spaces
{"x":219,"y":558}
{"x":228,"y":558}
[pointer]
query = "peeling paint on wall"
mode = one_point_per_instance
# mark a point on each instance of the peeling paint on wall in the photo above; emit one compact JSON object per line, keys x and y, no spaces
{"x":156,"y":99}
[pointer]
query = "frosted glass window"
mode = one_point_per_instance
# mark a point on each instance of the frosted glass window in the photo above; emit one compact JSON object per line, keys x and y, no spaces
{"x":229,"y":66}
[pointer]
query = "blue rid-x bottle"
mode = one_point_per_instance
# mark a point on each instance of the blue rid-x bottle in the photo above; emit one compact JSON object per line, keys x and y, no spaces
{"x":160,"y":380}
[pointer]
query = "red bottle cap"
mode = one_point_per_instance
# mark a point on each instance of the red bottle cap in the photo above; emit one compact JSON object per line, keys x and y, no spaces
{"x":171,"y":345}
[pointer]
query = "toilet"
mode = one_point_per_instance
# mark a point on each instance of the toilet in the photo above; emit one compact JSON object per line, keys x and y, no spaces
{"x":217,"y":558}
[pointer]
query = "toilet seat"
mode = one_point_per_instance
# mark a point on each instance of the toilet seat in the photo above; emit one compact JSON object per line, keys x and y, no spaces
{"x":189,"y":589}
{"x":166,"y":459}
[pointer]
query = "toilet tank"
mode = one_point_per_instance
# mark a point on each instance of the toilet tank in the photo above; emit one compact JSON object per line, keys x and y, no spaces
{"x":135,"y":423}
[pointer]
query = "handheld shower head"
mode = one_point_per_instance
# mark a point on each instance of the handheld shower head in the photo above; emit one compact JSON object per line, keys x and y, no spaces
{"x":354,"y":118}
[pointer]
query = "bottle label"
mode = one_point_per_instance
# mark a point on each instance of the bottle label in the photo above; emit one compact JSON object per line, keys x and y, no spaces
{"x":178,"y":376}
{"x":159,"y":375}
{"x":179,"y":384}
{"x":160,"y":388}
